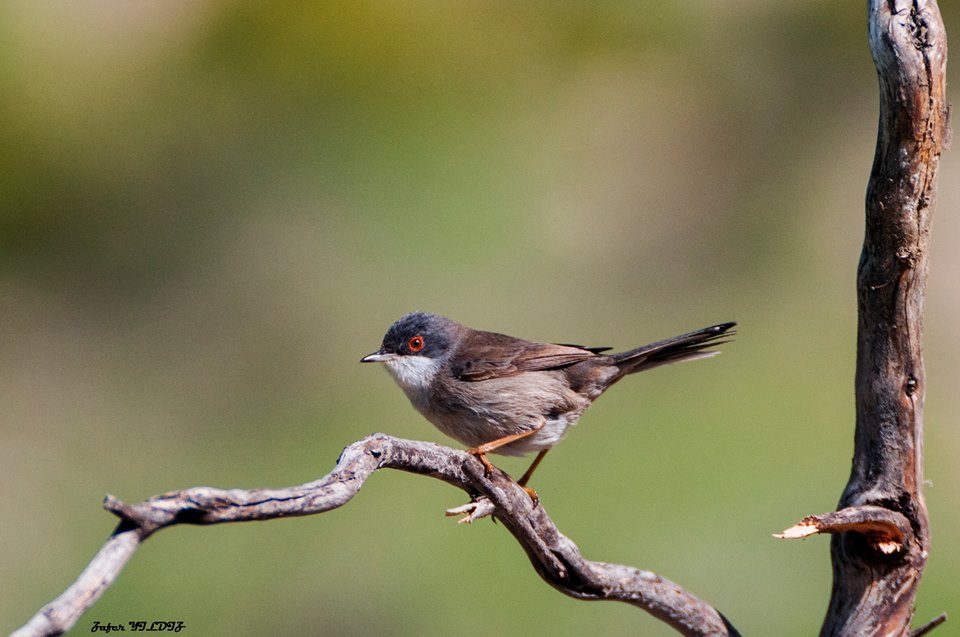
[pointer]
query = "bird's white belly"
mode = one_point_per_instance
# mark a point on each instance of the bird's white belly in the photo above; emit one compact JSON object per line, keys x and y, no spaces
{"x":479,"y":425}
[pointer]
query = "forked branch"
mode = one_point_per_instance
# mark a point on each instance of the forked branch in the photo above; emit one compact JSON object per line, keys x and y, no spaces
{"x":555,"y":557}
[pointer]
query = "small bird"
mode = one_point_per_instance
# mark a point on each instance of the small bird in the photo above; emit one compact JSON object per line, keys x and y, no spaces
{"x":500,"y":394}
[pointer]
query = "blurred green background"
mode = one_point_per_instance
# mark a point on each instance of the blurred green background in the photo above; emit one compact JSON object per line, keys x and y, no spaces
{"x":210,"y":210}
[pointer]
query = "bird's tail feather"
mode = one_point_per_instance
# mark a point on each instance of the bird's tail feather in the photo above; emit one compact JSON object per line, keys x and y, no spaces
{"x":686,"y":347}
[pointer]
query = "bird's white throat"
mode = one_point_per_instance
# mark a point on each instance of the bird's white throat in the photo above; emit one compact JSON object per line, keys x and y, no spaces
{"x":413,"y":373}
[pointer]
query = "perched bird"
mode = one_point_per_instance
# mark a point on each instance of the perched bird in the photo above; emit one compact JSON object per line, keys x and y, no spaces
{"x":500,"y":394}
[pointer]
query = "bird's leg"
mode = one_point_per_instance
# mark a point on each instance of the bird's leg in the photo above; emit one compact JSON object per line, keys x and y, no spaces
{"x":526,"y":476}
{"x":481,"y":451}
{"x":533,"y":466}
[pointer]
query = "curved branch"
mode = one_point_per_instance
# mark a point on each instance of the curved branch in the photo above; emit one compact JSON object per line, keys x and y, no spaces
{"x":555,"y":557}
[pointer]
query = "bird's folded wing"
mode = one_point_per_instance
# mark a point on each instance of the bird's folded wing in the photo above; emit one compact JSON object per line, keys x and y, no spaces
{"x":501,"y":358}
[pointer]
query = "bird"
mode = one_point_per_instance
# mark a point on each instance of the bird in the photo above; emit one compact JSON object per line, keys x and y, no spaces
{"x":506,"y":395}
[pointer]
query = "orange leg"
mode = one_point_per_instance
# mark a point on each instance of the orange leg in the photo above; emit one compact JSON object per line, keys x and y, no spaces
{"x":526,"y":476}
{"x":533,"y":467}
{"x":481,"y":451}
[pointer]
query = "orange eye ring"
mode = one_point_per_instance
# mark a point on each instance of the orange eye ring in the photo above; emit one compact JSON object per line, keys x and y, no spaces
{"x":416,"y":343}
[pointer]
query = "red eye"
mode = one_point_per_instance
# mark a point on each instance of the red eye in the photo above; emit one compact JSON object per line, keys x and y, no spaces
{"x":415,"y":344}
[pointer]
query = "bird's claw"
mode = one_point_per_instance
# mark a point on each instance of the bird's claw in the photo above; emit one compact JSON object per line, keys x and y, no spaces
{"x":534,"y":496}
{"x":481,"y":455}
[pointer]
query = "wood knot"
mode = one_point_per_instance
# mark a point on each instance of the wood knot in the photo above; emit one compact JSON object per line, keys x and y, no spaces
{"x":910,"y":387}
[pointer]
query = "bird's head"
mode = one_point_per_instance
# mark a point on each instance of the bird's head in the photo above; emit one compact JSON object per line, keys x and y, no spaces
{"x":415,"y":347}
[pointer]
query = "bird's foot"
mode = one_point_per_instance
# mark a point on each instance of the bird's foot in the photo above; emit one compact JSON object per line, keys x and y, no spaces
{"x":488,"y":468}
{"x":534,"y":496}
{"x":481,"y":455}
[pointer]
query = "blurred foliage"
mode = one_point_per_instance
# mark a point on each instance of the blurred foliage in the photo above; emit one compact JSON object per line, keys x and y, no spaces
{"x":210,"y":210}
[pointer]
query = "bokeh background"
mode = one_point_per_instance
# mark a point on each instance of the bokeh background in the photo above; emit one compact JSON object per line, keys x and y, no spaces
{"x":210,"y":210}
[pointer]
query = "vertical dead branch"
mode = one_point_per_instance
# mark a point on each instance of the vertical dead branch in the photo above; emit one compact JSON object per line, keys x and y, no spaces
{"x":881,"y":535}
{"x":878,"y":561}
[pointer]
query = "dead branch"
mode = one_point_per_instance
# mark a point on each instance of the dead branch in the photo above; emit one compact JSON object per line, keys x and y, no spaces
{"x":887,"y":531}
{"x":554,"y":556}
{"x":930,"y":625}
{"x":882,"y":506}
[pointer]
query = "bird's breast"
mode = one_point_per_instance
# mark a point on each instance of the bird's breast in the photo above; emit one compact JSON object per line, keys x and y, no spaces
{"x":414,"y":375}
{"x":483,"y":411}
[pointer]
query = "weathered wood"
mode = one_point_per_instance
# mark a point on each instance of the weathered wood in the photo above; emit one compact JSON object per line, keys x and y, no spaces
{"x":874,"y":591}
{"x":554,"y":556}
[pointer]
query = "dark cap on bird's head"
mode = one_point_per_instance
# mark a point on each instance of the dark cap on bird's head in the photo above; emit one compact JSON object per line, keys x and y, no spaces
{"x":417,"y":334}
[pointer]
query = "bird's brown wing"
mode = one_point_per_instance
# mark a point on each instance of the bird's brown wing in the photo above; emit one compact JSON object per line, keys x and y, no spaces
{"x":498,"y":355}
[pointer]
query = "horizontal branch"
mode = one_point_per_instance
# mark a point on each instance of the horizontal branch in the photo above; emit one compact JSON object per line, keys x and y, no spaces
{"x":886,"y":530}
{"x":555,"y":557}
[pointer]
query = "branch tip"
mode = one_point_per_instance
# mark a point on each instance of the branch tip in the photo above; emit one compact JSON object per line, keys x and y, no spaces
{"x":930,"y":625}
{"x":797,"y":531}
{"x":480,"y":508}
{"x":887,"y":531}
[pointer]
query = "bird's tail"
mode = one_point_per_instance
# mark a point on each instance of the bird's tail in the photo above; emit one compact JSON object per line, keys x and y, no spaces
{"x":686,"y":347}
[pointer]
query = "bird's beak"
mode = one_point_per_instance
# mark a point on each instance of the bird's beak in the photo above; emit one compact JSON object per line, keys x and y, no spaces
{"x":379,"y":356}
